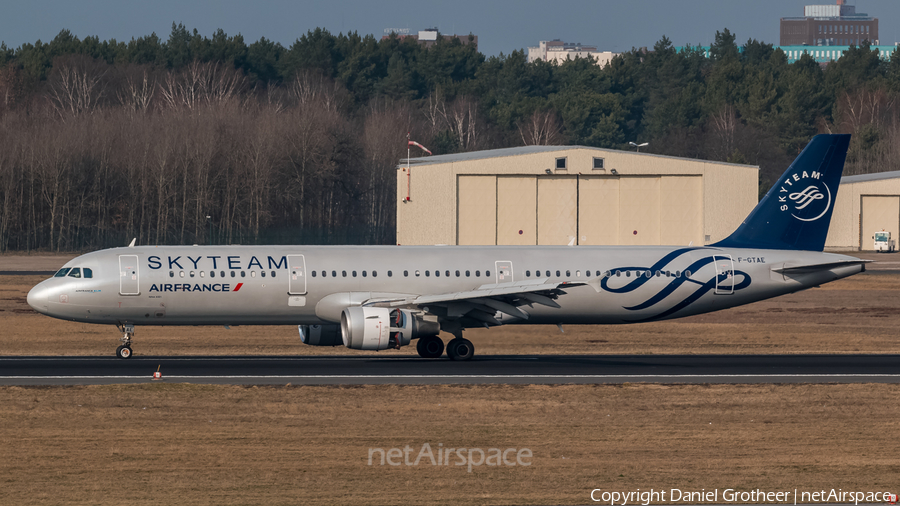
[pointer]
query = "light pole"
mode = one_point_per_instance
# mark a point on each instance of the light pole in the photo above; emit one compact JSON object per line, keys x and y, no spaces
{"x":638,"y":146}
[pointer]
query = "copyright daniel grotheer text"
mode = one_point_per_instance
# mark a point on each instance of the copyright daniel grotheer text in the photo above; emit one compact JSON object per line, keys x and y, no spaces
{"x":674,"y":495}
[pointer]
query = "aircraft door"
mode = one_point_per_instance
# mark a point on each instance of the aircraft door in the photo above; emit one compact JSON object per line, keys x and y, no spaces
{"x":504,"y":271}
{"x":129,"y":281}
{"x":724,"y":274}
{"x":298,"y":274}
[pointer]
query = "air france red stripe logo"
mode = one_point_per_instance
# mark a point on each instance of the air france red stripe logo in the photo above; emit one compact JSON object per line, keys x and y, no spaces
{"x":238,"y":287}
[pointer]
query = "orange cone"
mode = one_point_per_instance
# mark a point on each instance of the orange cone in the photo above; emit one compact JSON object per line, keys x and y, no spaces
{"x":157,"y":375}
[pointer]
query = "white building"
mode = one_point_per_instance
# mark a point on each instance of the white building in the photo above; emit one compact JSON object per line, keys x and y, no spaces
{"x":559,"y":51}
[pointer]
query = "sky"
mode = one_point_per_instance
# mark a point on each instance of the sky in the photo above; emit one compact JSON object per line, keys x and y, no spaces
{"x":501,"y":25}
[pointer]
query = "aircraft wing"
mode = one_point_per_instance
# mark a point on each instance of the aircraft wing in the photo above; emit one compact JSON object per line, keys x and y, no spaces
{"x":483,"y":303}
{"x":790,"y":268}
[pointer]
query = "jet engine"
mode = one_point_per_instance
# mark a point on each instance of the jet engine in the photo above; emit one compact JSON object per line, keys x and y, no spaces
{"x":321,"y":335}
{"x":379,"y":328}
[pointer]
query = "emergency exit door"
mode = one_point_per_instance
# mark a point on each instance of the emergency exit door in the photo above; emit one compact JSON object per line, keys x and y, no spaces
{"x":504,"y":271}
{"x":297,"y":274}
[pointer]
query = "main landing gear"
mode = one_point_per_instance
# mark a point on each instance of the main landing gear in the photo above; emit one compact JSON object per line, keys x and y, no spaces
{"x":457,"y":349}
{"x":124,"y":351}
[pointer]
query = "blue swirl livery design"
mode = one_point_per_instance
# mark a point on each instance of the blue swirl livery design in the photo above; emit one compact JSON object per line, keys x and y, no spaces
{"x":683,"y":283}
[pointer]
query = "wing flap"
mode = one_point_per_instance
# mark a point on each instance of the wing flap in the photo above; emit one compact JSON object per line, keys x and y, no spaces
{"x":505,"y":298}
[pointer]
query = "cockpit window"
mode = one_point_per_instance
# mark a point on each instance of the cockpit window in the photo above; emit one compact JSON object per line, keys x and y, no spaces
{"x":62,"y":272}
{"x":75,"y":272}
{"x":88,"y":273}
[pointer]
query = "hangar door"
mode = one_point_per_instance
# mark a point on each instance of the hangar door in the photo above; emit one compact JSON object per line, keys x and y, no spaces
{"x":595,"y":210}
{"x":879,"y":212}
{"x":476,"y":204}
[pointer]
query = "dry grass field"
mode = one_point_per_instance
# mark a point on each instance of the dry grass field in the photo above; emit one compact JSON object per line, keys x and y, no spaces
{"x":194,"y":444}
{"x":187,"y":444}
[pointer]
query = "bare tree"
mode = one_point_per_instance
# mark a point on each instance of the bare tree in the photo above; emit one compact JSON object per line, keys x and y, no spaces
{"x":542,"y":128}
{"x":202,"y":83}
{"x":136,"y":93}
{"x":76,"y":85}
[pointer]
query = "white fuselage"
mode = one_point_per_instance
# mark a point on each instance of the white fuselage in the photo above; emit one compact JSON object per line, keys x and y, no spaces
{"x":308,"y":285}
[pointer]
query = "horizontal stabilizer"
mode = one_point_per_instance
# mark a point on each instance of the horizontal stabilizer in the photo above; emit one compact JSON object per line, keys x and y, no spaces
{"x":790,"y":268}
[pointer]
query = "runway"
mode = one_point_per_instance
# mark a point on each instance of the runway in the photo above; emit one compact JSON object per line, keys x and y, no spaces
{"x":498,"y":369}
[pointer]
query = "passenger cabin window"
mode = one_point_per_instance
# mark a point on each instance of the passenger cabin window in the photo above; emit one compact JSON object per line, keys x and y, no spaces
{"x":354,"y":274}
{"x":390,"y":274}
{"x":62,"y":272}
{"x":487,"y":273}
{"x":243,"y":274}
{"x":262,"y":273}
{"x":467,"y":274}
{"x":171,"y":274}
{"x":180,"y":274}
{"x":252,"y":274}
{"x":527,"y":274}
{"x":427,"y":273}
{"x":192,"y":274}
{"x":273,"y":274}
{"x":364,"y":273}
{"x":202,"y":274}
{"x":314,"y":273}
{"x":222,"y":274}
{"x":334,"y":274}
{"x":374,"y":274}
{"x":344,"y":273}
{"x":478,"y":274}
{"x":417,"y":273}
{"x":447,"y":273}
{"x":457,"y":273}
{"x":437,"y":274}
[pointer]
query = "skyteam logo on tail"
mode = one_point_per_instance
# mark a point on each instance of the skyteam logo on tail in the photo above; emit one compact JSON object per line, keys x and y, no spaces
{"x":805,"y":196}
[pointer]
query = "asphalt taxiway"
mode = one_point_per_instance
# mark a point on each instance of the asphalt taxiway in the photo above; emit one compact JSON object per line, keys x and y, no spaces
{"x":488,"y":369}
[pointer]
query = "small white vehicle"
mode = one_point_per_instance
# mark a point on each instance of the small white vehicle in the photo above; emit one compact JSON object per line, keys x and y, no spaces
{"x":883,"y":242}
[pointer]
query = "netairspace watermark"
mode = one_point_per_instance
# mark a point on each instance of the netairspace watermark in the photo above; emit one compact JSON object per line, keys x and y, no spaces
{"x":675,"y":495}
{"x":440,"y":456}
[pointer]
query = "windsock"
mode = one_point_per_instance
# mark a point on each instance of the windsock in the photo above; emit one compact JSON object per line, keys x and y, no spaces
{"x":416,"y":144}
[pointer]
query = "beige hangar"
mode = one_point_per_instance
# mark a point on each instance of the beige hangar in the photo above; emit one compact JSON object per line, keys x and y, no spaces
{"x":570,"y":194}
{"x":865,"y":204}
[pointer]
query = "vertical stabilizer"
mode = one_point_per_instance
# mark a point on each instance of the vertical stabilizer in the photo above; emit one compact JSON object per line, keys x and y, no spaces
{"x":796,"y":212}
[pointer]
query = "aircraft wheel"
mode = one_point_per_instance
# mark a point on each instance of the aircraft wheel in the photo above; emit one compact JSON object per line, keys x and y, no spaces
{"x":123,"y":352}
{"x":430,"y":347}
{"x":460,"y":349}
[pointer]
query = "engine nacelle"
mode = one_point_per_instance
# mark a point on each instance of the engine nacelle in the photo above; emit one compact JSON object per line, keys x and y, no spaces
{"x":321,"y":335}
{"x":378,"y":328}
{"x":366,"y":328}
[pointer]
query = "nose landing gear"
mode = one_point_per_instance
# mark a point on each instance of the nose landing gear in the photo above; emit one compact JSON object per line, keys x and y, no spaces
{"x":124,"y":351}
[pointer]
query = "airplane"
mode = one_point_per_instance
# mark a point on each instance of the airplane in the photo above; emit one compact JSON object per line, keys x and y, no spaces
{"x":379,"y":297}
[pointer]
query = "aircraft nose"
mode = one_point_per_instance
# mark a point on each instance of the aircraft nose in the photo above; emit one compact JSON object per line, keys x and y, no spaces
{"x":37,"y":298}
